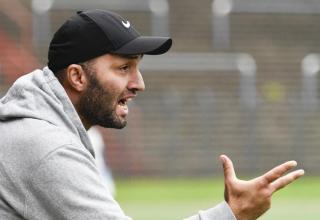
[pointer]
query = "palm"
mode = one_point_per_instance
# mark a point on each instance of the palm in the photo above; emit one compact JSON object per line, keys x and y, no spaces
{"x":250,"y":199}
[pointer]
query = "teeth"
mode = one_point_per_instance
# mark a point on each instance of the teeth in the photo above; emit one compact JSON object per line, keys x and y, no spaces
{"x":123,"y":102}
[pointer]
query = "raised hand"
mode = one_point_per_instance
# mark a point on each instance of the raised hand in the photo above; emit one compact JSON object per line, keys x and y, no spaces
{"x":250,"y":199}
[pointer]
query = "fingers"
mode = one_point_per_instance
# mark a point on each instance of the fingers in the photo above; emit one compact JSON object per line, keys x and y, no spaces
{"x":278,"y":171}
{"x":228,"y":168}
{"x":287,"y":179}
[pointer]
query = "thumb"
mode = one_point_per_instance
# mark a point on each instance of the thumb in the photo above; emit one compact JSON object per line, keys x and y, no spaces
{"x":228,"y":168}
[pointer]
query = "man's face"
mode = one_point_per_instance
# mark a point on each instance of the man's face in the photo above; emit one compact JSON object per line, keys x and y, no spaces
{"x":112,"y":82}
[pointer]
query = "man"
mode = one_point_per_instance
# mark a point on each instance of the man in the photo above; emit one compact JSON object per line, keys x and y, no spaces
{"x":47,"y":168}
{"x":98,"y":145}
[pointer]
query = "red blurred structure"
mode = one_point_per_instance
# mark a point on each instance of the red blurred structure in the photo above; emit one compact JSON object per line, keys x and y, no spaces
{"x":17,"y":55}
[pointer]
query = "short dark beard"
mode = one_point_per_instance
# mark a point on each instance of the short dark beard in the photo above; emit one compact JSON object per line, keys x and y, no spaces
{"x":97,"y":104}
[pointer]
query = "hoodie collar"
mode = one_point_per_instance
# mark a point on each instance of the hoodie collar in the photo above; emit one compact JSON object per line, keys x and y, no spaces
{"x":40,"y":95}
{"x":68,"y":107}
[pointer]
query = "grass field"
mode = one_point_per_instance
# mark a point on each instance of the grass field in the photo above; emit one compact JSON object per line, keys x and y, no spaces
{"x":170,"y":199}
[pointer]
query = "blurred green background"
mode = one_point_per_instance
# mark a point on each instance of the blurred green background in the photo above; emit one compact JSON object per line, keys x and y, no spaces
{"x":159,"y":199}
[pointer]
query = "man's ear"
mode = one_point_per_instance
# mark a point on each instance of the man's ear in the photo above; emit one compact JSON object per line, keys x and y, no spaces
{"x":76,"y":77}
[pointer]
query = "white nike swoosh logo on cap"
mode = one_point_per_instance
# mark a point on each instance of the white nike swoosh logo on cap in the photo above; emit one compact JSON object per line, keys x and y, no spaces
{"x":126,"y":24}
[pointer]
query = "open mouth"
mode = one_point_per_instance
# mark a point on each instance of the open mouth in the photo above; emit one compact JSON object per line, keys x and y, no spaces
{"x":122,"y":106}
{"x":124,"y":101}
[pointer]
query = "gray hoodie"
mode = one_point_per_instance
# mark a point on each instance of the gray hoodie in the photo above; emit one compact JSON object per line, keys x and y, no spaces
{"x":47,"y":167}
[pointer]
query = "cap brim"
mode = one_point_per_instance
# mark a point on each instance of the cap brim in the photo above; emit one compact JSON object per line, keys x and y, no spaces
{"x":146,"y":45}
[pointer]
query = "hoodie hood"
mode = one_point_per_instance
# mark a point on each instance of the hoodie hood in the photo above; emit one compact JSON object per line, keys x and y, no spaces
{"x":40,"y":95}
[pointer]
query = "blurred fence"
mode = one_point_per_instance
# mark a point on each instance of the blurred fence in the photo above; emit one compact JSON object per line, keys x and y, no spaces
{"x":241,"y":79}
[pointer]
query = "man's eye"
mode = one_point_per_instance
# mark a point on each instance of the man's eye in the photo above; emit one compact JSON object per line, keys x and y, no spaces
{"x":124,"y":68}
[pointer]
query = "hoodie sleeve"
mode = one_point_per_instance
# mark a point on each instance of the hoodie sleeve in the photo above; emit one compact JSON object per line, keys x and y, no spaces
{"x":220,"y":212}
{"x":66,"y":185}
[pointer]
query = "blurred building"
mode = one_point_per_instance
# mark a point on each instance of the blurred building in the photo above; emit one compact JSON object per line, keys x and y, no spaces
{"x":17,"y":54}
{"x":242,"y":79}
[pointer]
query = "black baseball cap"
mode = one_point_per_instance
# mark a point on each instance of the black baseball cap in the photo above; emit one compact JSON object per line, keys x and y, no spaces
{"x":92,"y":33}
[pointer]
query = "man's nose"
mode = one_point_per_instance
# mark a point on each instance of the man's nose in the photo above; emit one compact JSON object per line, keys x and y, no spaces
{"x":136,"y":82}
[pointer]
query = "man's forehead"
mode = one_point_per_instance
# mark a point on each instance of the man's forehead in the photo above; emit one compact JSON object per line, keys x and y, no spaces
{"x":133,"y":56}
{"x":115,"y":59}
